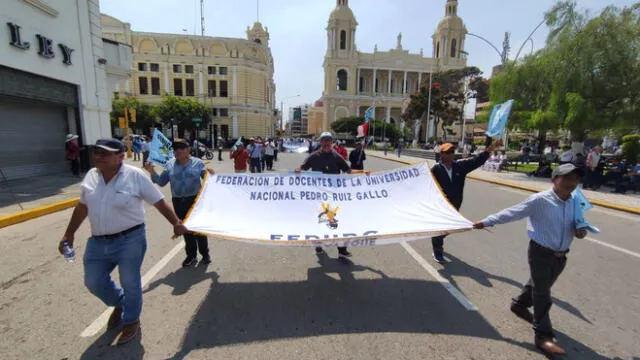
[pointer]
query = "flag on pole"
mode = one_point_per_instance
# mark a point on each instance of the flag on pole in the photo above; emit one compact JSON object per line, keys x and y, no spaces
{"x":363,"y":129}
{"x":235,"y":146}
{"x":498,"y":119}
{"x":160,"y":150}
{"x":581,"y":204}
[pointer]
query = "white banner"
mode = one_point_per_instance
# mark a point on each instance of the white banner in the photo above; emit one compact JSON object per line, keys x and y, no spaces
{"x":312,"y":209}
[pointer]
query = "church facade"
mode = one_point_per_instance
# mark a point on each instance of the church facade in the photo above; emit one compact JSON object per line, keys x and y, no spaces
{"x":355,"y":80}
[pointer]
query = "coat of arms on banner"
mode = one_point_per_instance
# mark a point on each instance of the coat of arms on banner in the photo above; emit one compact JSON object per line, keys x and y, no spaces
{"x":328,"y":216}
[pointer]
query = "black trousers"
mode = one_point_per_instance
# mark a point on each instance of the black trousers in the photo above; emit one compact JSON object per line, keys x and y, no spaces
{"x":545,"y":266}
{"x":192,"y":242}
{"x":254,"y":165}
{"x":269,"y":160}
{"x":75,"y":167}
{"x":438,"y":243}
{"x":145,"y":156}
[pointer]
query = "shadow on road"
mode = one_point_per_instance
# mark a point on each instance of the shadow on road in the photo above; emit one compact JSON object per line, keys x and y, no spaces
{"x":103,"y":348}
{"x":183,"y":279}
{"x":330,"y":301}
{"x":456,"y":268}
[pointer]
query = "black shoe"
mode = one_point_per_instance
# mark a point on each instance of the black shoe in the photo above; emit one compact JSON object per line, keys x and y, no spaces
{"x":522,"y":312}
{"x":206,"y":260}
{"x":189,"y":262}
{"x":344,"y":252}
{"x":438,"y":257}
{"x":320,"y":251}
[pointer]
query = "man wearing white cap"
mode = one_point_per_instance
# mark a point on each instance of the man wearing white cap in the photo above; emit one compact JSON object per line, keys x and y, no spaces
{"x":328,"y":161}
{"x":551,"y":227}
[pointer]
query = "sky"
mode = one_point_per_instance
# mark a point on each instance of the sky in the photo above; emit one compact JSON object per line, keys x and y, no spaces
{"x":298,"y":35}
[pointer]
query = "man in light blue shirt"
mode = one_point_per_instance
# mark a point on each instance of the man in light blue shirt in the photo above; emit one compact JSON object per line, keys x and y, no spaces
{"x":184,"y":172}
{"x":551,"y":228}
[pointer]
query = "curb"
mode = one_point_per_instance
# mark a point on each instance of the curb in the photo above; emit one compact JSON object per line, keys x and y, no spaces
{"x":604,"y":204}
{"x":25,"y":215}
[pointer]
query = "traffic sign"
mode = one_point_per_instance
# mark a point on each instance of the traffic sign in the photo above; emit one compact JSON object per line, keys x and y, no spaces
{"x":197,"y":120}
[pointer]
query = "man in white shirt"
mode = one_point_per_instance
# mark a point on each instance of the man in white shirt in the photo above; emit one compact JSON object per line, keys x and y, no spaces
{"x":112,"y":197}
{"x":269,"y":153}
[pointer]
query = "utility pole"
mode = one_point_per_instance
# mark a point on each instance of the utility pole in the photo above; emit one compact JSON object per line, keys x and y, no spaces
{"x":202,"y":16}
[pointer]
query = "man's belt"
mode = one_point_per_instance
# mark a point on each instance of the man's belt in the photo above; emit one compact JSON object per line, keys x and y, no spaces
{"x":559,"y":254}
{"x":121,"y":233}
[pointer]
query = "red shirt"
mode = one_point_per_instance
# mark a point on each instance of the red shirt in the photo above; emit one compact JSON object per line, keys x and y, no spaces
{"x":240,"y":159}
{"x":342,"y":151}
{"x":73,"y":151}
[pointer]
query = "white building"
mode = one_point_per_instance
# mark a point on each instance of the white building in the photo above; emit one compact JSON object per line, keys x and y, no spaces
{"x":52,"y":82}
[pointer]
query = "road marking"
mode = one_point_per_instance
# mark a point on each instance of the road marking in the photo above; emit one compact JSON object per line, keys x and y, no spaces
{"x":444,"y":282}
{"x":102,"y":320}
{"x":617,"y":248}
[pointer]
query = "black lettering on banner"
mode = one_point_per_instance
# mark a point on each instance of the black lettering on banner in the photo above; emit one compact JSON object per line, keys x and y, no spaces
{"x":46,"y":47}
{"x":66,"y":54}
{"x":16,"y":39}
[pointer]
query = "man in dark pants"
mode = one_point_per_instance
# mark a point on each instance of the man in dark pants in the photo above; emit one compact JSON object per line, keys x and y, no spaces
{"x":451,"y":174}
{"x":184,"y":172}
{"x":327,"y":161}
{"x":551,"y":228}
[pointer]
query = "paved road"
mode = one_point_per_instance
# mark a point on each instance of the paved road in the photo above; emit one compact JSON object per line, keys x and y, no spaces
{"x":258,"y":302}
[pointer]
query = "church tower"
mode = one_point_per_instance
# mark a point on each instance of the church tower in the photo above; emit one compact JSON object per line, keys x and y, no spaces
{"x":258,"y":34}
{"x":448,"y":40}
{"x":340,"y":58}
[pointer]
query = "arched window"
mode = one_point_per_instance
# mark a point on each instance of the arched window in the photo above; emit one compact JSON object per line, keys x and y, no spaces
{"x":257,"y":41}
{"x":453,"y":48}
{"x":342,"y":80}
{"x":343,"y":39}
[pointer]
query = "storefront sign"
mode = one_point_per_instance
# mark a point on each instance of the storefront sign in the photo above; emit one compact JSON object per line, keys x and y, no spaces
{"x":45,"y":45}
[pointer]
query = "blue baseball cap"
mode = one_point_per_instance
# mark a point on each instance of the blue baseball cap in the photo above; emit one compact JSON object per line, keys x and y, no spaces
{"x":113,"y":145}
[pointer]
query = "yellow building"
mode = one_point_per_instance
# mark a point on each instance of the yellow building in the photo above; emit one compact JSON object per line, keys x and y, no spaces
{"x":355,"y":80}
{"x":233,"y":77}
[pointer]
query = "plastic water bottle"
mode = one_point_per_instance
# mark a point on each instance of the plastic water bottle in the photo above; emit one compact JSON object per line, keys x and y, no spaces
{"x":69,"y":252}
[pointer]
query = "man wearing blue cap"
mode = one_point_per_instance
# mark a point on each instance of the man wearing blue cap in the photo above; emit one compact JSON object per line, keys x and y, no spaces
{"x":113,"y":196}
{"x":328,"y":161}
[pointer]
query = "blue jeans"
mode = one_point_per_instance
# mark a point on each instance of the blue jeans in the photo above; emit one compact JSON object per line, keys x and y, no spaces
{"x":102,"y":256}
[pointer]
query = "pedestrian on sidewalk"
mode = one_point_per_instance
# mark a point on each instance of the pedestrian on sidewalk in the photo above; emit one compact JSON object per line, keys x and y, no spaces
{"x":592,"y":177}
{"x":328,"y":161}
{"x":73,"y":153}
{"x":220,"y":148}
{"x":240,"y":158}
{"x":184,"y":172}
{"x":551,"y":228}
{"x":451,"y":174}
{"x":145,"y":147}
{"x":112,"y":197}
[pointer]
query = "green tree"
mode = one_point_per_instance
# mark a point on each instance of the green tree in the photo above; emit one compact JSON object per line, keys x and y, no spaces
{"x":181,"y":111}
{"x":447,"y":96}
{"x":144,"y":119}
{"x":347,"y":125}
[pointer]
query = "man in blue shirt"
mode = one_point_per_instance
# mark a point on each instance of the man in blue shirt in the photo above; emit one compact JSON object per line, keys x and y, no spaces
{"x":551,"y":228}
{"x":184,"y":173}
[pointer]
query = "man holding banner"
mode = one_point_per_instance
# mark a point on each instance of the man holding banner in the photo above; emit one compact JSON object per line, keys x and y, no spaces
{"x":328,"y":161}
{"x":451,"y":174}
{"x":554,"y":218}
{"x":184,"y":173}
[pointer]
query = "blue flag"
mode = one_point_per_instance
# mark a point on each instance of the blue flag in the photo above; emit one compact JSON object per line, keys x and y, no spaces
{"x":581,"y":204}
{"x":498,"y":119}
{"x":370,"y":113}
{"x":235,"y":146}
{"x":160,"y":150}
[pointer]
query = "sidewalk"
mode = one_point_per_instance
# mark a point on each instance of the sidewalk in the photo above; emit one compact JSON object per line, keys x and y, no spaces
{"x":54,"y":192}
{"x":521,"y":180}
